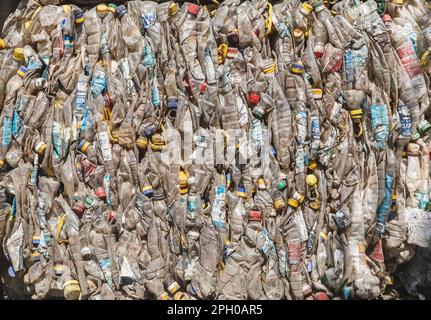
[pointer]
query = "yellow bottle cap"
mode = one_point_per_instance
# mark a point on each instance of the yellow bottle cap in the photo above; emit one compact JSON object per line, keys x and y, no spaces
{"x":261,"y":183}
{"x":279,"y":204}
{"x":311,"y":179}
{"x":2,"y":44}
{"x":179,"y":296}
{"x":142,"y":143}
{"x":184,"y":190}
{"x":173,"y":8}
{"x":173,"y":287}
{"x":18,"y":54}
{"x":182,"y":177}
{"x":71,"y":290}
{"x":269,"y":69}
{"x":84,"y":148}
{"x":40,"y":148}
{"x":315,"y":205}
{"x":356,"y":113}
{"x":293,"y":203}
{"x":164,"y":296}
{"x":102,"y":8}
{"x":317,"y":93}
{"x":298,"y":33}
{"x":398,"y":1}
{"x":308,"y":8}
{"x":112,"y":8}
{"x":312,"y":166}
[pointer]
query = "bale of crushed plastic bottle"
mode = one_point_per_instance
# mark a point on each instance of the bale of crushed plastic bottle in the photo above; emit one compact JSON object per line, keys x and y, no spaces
{"x":221,"y":150}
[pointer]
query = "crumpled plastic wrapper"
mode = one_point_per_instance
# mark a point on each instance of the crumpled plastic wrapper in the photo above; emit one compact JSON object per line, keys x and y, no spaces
{"x":232,"y":150}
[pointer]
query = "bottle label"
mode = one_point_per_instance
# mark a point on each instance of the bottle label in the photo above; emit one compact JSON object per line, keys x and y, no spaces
{"x":405,"y":121}
{"x":56,"y":140}
{"x":105,"y":146}
{"x":315,"y":129}
{"x":17,"y":125}
{"x":301,"y":127}
{"x":380,"y":124}
{"x":7,"y":132}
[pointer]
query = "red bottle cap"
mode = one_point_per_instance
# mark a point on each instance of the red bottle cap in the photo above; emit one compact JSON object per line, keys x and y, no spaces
{"x":112,"y":216}
{"x":100,"y":193}
{"x":203,"y":86}
{"x":255,"y":215}
{"x":321,"y":296}
{"x":193,"y":9}
{"x":253,"y":97}
{"x":79,"y":209}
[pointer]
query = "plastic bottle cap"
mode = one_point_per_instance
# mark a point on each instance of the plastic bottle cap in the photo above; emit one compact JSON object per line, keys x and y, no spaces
{"x":279,"y":204}
{"x":315,"y":205}
{"x":83,"y":146}
{"x":179,"y":295}
{"x":298,"y":68}
{"x":102,"y":8}
{"x":255,"y":215}
{"x":71,"y":290}
{"x":182,"y":177}
{"x":22,"y":71}
{"x":261,"y":183}
{"x":311,"y":180}
{"x":312,"y":166}
{"x":79,"y":17}
{"x":253,"y":97}
{"x":121,"y":11}
{"x":173,"y":287}
{"x":2,"y":44}
{"x":307,"y":8}
{"x":100,"y":193}
{"x":88,"y":202}
{"x":203,"y":86}
{"x":258,"y":112}
{"x":18,"y":54}
{"x":173,"y":103}
{"x":269,"y":68}
{"x":356,"y":113}
{"x":193,"y":9}
{"x":35,"y":256}
{"x":1,"y":163}
{"x":112,"y":216}
{"x":317,"y":93}
{"x":424,"y":125}
{"x":241,"y":192}
{"x":292,"y":202}
{"x":59,"y":269}
{"x":142,"y":143}
{"x":112,"y":7}
{"x":173,"y":8}
{"x":281,"y":185}
{"x":164,"y":296}
{"x":79,"y":209}
{"x":40,"y":148}
{"x":148,"y":190}
{"x":86,"y":253}
{"x":35,"y":240}
{"x":298,"y":33}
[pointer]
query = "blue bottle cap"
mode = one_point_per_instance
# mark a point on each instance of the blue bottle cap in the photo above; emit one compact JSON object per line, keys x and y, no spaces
{"x":121,"y":11}
{"x":172,"y":103}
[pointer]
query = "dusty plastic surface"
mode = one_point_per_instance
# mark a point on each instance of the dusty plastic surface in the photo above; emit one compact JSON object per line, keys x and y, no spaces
{"x":235,"y":151}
